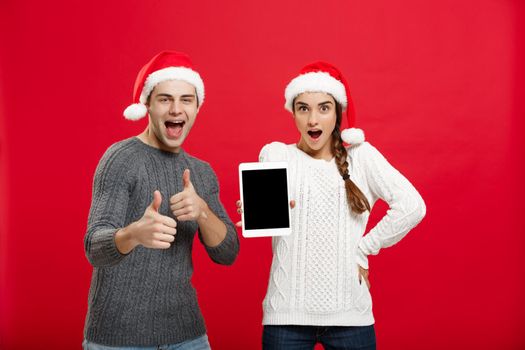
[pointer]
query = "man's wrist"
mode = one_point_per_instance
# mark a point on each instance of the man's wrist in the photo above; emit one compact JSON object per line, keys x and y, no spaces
{"x":125,"y":240}
{"x":203,"y":215}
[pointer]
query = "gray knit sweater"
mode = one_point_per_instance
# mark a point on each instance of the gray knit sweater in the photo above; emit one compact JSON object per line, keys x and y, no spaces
{"x":146,"y":298}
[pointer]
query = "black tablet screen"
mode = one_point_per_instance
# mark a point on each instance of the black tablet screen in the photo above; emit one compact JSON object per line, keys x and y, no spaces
{"x":265,"y":199}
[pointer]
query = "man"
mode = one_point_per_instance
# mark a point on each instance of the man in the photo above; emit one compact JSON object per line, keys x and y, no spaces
{"x":149,"y":199}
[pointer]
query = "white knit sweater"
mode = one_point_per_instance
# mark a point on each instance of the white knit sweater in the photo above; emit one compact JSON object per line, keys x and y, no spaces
{"x":314,"y":277}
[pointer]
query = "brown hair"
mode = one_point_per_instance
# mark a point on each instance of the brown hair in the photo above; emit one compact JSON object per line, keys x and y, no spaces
{"x":356,"y":199}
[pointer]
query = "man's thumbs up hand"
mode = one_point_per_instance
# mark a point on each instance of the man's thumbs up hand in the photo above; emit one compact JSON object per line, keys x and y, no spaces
{"x":152,"y":230}
{"x":187,"y":205}
{"x":186,"y":179}
{"x":157,"y":201}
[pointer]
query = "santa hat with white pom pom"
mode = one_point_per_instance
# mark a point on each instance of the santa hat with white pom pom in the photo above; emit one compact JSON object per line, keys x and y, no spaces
{"x":324,"y":77}
{"x":167,"y":65}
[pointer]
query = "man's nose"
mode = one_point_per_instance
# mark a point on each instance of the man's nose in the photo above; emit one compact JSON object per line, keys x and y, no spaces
{"x":175,"y":107}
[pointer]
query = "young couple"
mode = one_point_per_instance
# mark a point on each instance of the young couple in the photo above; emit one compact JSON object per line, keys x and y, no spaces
{"x":150,"y":197}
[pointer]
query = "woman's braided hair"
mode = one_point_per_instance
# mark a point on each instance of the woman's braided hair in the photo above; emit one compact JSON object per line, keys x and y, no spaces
{"x":356,"y":199}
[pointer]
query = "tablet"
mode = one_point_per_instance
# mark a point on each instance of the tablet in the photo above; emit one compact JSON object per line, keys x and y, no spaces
{"x":265,"y":199}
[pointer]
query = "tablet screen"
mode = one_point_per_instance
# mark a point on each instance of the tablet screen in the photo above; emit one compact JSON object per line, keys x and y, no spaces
{"x":265,"y":199}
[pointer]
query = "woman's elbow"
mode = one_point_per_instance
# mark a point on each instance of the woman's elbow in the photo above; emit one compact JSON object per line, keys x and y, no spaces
{"x":421,"y":209}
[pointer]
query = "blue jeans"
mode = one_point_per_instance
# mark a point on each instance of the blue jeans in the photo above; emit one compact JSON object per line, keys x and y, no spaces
{"x":332,"y":338}
{"x":200,"y":343}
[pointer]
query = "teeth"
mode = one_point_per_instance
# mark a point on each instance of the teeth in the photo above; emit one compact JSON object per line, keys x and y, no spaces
{"x":178,"y":122}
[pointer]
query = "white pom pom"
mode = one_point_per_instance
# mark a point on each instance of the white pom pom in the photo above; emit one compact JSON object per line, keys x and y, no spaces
{"x":135,"y":111}
{"x":353,"y":136}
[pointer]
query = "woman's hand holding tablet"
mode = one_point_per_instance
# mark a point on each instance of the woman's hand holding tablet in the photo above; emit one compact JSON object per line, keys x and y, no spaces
{"x":265,"y":199}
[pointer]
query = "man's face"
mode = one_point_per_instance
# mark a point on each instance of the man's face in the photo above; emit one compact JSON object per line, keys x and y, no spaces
{"x":172,"y":109}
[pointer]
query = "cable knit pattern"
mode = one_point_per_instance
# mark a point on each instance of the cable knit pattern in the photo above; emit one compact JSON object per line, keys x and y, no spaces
{"x":146,"y":298}
{"x":321,"y":243}
{"x":314,"y":276}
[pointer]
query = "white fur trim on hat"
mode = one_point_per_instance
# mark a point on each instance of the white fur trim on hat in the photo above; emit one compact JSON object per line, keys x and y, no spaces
{"x":314,"y":82}
{"x":173,"y":73}
{"x":353,"y":136}
{"x":135,"y":111}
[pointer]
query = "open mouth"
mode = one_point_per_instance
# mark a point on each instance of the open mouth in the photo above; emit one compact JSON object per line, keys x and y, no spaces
{"x":315,"y":134}
{"x":174,"y":128}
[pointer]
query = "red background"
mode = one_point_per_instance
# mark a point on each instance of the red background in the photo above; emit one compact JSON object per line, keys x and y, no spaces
{"x":438,"y":88}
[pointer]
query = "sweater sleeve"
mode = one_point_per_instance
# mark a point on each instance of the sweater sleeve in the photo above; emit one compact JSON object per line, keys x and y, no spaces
{"x":108,"y":211}
{"x":406,"y":207}
{"x":225,"y":252}
{"x":273,"y":152}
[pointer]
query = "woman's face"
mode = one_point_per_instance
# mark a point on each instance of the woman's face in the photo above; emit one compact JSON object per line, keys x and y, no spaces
{"x":315,"y":118}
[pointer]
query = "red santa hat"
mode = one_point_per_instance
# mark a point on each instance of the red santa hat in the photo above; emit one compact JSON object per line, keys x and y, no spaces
{"x":167,"y":65}
{"x":324,"y":77}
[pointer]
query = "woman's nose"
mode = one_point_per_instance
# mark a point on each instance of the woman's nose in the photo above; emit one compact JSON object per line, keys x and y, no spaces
{"x":312,"y":119}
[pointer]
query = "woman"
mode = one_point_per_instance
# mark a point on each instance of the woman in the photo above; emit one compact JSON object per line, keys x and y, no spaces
{"x":318,"y":290}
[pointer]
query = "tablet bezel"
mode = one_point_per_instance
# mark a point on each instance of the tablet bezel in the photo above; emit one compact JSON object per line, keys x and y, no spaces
{"x":266,"y":232}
